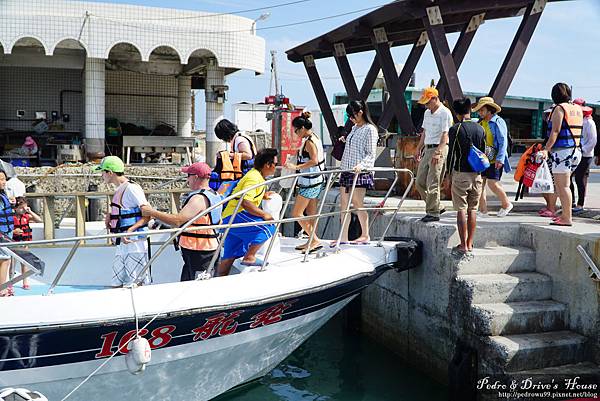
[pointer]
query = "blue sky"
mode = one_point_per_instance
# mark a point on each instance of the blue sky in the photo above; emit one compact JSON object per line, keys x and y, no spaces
{"x":565,"y":47}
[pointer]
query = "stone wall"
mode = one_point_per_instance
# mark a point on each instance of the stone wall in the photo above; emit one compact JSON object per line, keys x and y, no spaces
{"x":77,"y":178}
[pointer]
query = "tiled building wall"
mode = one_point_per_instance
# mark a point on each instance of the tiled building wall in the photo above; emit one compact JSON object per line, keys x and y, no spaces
{"x":39,"y":89}
{"x":133,"y":98}
{"x":141,"y":99}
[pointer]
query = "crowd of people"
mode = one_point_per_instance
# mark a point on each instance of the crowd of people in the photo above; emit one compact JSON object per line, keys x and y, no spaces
{"x":445,"y":149}
{"x":567,"y":149}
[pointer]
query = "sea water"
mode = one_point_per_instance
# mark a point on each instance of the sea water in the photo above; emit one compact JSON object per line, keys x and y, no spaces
{"x":338,"y":364}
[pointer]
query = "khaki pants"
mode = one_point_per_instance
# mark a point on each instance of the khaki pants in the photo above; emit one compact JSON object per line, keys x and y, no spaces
{"x":429,"y":178}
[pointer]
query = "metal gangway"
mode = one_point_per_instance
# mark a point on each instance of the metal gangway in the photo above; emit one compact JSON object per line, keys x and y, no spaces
{"x":331,"y":175}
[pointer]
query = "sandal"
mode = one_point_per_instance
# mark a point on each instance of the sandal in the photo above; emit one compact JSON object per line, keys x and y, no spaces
{"x":560,"y":223}
{"x":542,"y":211}
{"x":547,"y":213}
{"x":333,"y":244}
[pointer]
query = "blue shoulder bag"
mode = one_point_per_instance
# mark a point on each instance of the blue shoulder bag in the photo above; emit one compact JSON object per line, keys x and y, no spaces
{"x":477,"y":159}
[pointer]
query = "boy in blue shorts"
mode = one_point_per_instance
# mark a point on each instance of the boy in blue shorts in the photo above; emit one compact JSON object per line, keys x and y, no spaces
{"x":244,"y":242}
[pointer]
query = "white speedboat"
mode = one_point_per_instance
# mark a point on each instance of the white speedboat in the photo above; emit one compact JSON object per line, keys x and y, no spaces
{"x":207,"y":336}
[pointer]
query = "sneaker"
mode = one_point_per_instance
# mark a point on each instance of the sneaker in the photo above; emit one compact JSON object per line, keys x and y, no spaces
{"x":443,"y":211}
{"x":482,"y":214}
{"x":428,"y":219}
{"x":577,"y":209}
{"x":504,"y":212}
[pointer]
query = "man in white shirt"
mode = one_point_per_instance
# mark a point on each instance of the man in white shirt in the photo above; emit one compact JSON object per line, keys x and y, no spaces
{"x":432,"y":152}
{"x":125,"y":215}
{"x":588,"y":142}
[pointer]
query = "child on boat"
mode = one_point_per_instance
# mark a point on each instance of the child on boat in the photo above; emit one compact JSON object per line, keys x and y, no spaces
{"x":6,"y":228}
{"x":22,"y":231}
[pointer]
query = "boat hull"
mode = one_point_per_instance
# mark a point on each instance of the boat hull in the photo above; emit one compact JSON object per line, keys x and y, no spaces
{"x":197,"y":354}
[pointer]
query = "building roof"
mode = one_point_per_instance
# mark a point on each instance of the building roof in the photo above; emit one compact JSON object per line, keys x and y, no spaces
{"x":98,"y":27}
{"x":403,"y":20}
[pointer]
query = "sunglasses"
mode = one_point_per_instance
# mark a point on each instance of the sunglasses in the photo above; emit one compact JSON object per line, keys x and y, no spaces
{"x":191,"y":175}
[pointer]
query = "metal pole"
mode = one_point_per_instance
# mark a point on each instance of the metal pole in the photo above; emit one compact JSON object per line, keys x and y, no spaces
{"x":337,"y":245}
{"x":590,"y":262}
{"x":314,"y":231}
{"x":213,"y":260}
{"x":63,"y":268}
{"x":408,"y":187}
{"x":382,"y":203}
{"x":287,"y":202}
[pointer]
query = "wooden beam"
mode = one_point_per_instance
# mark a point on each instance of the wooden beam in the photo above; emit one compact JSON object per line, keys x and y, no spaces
{"x":441,"y":51}
{"x":48,"y":217}
{"x":317,"y":85}
{"x":369,"y":81}
{"x":404,"y":78}
{"x":395,"y":90}
{"x":80,"y":216}
{"x":517,"y":50}
{"x":460,"y":48}
{"x":345,"y":70}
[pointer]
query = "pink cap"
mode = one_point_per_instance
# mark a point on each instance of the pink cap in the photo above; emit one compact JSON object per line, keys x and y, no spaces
{"x":29,"y":141}
{"x":200,"y":169}
{"x":587,"y":111}
{"x":579,"y":101}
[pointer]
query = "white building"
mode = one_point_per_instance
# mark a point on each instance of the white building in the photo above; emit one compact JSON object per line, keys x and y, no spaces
{"x":93,"y":61}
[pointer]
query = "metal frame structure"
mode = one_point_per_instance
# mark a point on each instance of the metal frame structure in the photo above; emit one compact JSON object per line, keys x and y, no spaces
{"x":416,"y":22}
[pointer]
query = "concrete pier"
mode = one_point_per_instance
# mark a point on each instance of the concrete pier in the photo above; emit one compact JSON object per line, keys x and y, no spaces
{"x":524,"y":302}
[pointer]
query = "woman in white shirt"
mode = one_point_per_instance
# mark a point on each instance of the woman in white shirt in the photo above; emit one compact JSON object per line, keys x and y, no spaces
{"x":359,"y":155}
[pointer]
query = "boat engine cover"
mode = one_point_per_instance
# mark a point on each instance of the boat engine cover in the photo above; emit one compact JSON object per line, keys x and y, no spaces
{"x":409,"y":252}
{"x":20,"y":394}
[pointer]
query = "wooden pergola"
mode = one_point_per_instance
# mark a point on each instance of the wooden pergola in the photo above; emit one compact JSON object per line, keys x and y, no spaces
{"x":415,"y":22}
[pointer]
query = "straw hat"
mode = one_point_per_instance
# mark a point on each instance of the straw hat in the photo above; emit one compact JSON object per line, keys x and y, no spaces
{"x":487,"y":101}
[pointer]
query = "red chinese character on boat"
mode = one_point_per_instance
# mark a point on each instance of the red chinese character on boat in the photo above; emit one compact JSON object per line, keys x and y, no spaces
{"x":270,"y":315}
{"x":223,"y":324}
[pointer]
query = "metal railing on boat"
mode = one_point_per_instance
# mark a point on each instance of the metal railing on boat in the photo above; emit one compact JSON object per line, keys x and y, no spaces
{"x":175,"y":232}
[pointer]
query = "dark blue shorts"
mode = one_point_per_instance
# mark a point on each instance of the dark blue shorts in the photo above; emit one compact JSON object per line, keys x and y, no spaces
{"x":240,"y":239}
{"x":493,"y":173}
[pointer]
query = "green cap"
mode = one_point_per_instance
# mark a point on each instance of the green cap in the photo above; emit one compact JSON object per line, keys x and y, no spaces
{"x":111,"y":163}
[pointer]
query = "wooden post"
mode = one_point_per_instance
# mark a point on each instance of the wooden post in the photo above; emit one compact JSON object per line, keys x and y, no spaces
{"x":48,"y":217}
{"x":80,"y":215}
{"x":174,"y":202}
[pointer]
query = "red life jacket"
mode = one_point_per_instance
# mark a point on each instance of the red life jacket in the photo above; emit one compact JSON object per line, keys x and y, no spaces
{"x":22,"y":222}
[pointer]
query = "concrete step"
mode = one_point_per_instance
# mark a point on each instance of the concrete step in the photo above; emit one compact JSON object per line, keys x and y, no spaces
{"x":518,"y":317}
{"x":500,"y":288}
{"x":586,"y":372}
{"x":519,"y":352}
{"x":499,"y":259}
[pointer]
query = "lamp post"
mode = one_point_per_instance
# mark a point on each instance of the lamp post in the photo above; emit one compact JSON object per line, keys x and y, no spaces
{"x":261,"y":18}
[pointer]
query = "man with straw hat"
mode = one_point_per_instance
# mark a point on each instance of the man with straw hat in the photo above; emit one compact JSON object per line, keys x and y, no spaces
{"x":432,"y":151}
{"x":496,"y":149}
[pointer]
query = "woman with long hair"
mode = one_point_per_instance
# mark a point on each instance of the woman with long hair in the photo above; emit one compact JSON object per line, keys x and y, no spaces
{"x":311,"y":159}
{"x":359,"y":155}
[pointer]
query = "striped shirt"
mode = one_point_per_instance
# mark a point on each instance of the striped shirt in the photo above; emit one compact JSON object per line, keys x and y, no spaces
{"x":361,"y":146}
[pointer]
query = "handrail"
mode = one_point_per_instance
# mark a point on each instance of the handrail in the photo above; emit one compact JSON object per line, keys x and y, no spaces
{"x":240,"y":195}
{"x":186,"y":227}
{"x":31,"y":271}
{"x":594,"y":269}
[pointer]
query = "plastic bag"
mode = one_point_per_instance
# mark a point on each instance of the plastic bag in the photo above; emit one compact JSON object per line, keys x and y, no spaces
{"x":542,"y":184}
{"x":288,"y":182}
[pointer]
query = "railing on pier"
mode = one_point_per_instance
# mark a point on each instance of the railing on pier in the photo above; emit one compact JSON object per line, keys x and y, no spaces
{"x":174,"y":232}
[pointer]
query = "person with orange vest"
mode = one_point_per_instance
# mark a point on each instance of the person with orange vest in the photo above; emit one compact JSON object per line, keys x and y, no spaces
{"x":198,"y":246}
{"x":22,"y":230}
{"x":234,"y":163}
{"x":563,"y":147}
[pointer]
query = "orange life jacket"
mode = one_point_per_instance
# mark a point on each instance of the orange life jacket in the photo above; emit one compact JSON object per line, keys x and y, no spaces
{"x":203,"y":240}
{"x":527,"y":155}
{"x":232,"y":168}
{"x":572,"y":124}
